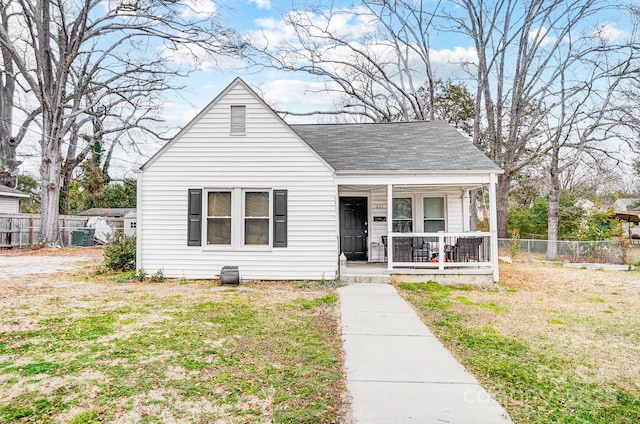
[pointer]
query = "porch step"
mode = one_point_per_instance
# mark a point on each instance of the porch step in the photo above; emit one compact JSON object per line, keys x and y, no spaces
{"x":371,"y":279}
{"x":363,"y":272}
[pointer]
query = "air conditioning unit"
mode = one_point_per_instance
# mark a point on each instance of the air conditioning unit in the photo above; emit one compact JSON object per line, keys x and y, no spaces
{"x":229,"y":275}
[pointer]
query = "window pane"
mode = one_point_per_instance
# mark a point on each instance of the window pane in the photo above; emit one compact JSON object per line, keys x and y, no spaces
{"x":256,"y":231}
{"x":256,"y":204}
{"x":434,"y":207}
{"x":219,"y":230}
{"x":433,"y":226}
{"x":402,"y":209}
{"x":238,"y":119}
{"x":402,"y":215}
{"x":219,"y":203}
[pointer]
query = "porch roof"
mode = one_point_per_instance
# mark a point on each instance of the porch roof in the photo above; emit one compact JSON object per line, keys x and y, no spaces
{"x":11,"y":192}
{"x":395,"y":146}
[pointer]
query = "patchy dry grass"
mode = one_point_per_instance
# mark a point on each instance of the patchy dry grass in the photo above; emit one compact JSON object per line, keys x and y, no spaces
{"x":552,"y":344}
{"x":80,"y":348}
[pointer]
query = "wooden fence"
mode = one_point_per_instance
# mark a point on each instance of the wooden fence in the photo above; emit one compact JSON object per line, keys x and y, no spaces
{"x":23,"y":230}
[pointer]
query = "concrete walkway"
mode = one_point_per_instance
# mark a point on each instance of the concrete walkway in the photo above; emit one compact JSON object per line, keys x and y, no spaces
{"x":397,"y":370}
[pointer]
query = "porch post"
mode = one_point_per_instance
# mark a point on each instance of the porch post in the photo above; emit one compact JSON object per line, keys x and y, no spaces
{"x":493,"y":225}
{"x":389,"y":226}
{"x":466,"y":215}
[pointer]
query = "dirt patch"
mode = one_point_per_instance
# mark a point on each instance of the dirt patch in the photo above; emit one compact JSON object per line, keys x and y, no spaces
{"x":24,"y":262}
{"x":93,"y":251}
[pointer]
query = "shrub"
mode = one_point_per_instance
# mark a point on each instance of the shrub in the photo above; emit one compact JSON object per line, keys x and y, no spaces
{"x":120,"y":254}
{"x":158,"y":277}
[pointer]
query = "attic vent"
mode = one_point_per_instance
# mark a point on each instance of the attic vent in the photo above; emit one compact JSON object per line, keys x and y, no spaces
{"x":238,"y":120}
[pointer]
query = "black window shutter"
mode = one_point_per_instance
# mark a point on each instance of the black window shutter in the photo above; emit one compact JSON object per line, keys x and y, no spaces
{"x":279,"y":218}
{"x":194,"y":225}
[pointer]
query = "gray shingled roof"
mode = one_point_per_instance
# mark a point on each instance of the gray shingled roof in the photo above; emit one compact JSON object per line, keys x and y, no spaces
{"x":395,"y":146}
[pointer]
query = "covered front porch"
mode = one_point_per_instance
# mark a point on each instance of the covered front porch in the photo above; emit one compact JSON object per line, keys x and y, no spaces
{"x":427,"y":235}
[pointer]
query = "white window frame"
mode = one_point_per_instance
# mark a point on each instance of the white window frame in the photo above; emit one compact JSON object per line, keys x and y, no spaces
{"x":444,"y":205}
{"x":269,"y":216}
{"x":237,"y":219}
{"x":205,"y":213}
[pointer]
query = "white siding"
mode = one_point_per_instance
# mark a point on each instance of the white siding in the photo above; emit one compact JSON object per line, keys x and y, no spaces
{"x":378,"y":208}
{"x":454,"y":212}
{"x":9,"y":204}
{"x":269,"y":156}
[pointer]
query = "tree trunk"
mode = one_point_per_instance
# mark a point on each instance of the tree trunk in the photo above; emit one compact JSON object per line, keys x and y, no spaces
{"x":50,"y":170}
{"x":473,"y":210}
{"x":554,"y":207}
{"x":65,"y":192}
{"x":50,"y":174}
{"x":502,"y":206}
{"x":8,"y":163}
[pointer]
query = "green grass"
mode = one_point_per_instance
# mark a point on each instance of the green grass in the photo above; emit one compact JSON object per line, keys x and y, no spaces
{"x":236,"y":356}
{"x":535,"y":379}
{"x":597,"y":299}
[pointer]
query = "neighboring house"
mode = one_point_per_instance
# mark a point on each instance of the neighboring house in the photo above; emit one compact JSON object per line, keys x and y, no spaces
{"x":10,"y":200}
{"x":107,"y":212}
{"x":118,"y":218}
{"x":623,"y":205}
{"x":584,"y":204}
{"x":239,"y":186}
{"x":130,"y":223}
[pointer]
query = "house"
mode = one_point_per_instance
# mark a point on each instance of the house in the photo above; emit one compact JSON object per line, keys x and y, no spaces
{"x":10,"y":200}
{"x":116,"y":217}
{"x":238,"y":186}
{"x":623,"y":205}
{"x":130,"y":223}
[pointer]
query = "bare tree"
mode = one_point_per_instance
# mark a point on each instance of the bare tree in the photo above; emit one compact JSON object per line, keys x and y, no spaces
{"x":382,"y":69}
{"x":79,"y":54}
{"x":522,"y":49}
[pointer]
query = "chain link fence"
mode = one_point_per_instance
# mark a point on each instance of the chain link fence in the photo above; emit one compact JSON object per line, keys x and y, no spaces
{"x":605,"y":251}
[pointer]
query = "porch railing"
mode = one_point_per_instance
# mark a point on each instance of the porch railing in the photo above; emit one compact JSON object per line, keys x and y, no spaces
{"x":438,"y":250}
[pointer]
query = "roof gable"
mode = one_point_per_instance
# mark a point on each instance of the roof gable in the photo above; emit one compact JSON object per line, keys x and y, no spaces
{"x":205,"y":111}
{"x":397,"y":146}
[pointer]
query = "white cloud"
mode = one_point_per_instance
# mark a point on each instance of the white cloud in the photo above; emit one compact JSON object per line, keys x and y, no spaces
{"x":293,"y":94}
{"x":459,"y":55}
{"x":261,"y":4}
{"x":539,"y":36}
{"x":347,"y":24}
{"x":198,"y":8}
{"x":607,"y":31}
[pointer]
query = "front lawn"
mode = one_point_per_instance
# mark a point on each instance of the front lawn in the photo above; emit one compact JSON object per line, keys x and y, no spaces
{"x":177,"y":351}
{"x":553,"y":345}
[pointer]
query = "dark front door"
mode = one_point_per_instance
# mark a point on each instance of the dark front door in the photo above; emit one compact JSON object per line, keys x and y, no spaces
{"x":353,"y":228}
